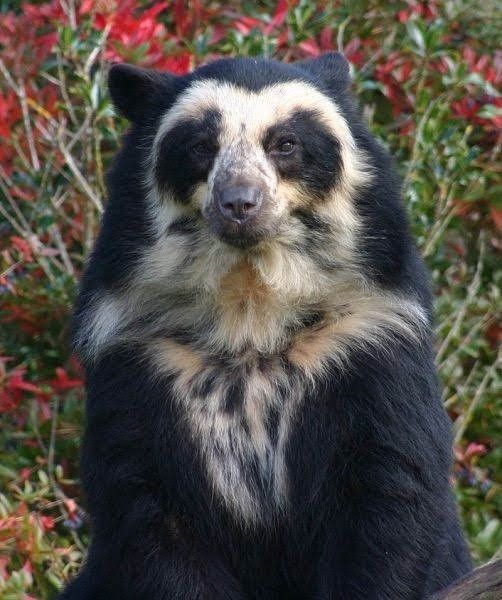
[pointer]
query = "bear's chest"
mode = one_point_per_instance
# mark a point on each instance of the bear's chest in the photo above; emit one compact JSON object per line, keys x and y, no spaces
{"x":240,"y":422}
{"x":239,"y":415}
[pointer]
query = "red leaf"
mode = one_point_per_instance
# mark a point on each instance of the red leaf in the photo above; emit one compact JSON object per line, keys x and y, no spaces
{"x":9,"y":400}
{"x":496,"y":215}
{"x":326,"y":38}
{"x":353,"y":52}
{"x":278,"y":17}
{"x":310,"y":47}
{"x":155,"y":10}
{"x":403,"y":16}
{"x":63,"y":382}
{"x":86,"y":7}
{"x":182,"y":18}
{"x":4,"y":561}
{"x":494,"y":334}
{"x":179,"y":64}
{"x":71,"y":507}
{"x":17,"y":382}
{"x":246,"y":24}
{"x":24,"y":474}
{"x":474,"y":449}
{"x":23,"y":246}
{"x":23,"y":194}
{"x":47,"y":523}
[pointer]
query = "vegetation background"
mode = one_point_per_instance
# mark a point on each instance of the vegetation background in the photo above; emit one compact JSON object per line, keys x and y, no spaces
{"x":427,"y":76}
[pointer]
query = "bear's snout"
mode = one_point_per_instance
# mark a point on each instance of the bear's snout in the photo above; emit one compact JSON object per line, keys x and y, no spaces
{"x":238,"y":202}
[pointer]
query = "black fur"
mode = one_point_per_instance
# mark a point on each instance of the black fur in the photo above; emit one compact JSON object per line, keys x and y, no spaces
{"x":316,"y":163}
{"x":314,"y":223}
{"x":187,"y":153}
{"x":370,"y":513}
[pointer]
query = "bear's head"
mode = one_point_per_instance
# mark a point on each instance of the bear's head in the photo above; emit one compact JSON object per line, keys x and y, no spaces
{"x":248,"y":149}
{"x":248,"y":201}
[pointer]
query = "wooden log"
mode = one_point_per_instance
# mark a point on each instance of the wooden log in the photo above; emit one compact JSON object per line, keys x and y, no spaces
{"x":484,"y":583}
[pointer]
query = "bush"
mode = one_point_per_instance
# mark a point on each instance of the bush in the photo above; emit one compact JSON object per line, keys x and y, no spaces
{"x":426,"y":73}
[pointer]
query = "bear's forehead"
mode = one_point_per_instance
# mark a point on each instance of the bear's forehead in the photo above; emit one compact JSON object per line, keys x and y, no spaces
{"x":242,"y":112}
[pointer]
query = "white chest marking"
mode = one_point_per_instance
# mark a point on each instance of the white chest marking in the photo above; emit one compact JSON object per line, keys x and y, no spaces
{"x":242,"y":431}
{"x":240,"y":419}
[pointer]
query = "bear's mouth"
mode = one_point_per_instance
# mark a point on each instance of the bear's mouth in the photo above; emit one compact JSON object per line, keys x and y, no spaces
{"x":242,"y":235}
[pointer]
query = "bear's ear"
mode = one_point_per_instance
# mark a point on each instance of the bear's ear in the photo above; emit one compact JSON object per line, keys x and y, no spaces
{"x":331,"y":68}
{"x":132,"y":88}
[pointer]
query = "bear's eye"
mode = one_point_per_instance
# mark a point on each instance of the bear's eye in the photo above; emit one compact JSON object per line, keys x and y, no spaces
{"x":284,"y":147}
{"x":203,"y":148}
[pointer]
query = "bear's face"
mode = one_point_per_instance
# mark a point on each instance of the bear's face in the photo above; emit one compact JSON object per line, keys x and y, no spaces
{"x":250,"y":155}
{"x":251,"y":161}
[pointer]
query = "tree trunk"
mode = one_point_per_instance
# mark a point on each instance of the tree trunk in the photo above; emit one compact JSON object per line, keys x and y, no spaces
{"x":484,"y":583}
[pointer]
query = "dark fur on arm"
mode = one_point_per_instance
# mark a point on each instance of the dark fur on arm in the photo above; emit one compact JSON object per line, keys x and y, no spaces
{"x":137,"y":551}
{"x":394,"y":525}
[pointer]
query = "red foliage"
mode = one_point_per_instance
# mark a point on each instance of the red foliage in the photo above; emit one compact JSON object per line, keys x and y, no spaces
{"x":469,"y":108}
{"x":47,"y":522}
{"x":10,"y":112}
{"x":15,"y":386}
{"x":467,"y":456}
{"x":279,"y":15}
{"x":34,"y":36}
{"x":63,"y":382}
{"x":245,"y":24}
{"x":493,"y":334}
{"x":23,"y":246}
{"x":393,"y":73}
{"x":426,"y":9}
{"x":355,"y":52}
{"x":490,"y":70}
{"x":128,"y":29}
{"x":484,"y":110}
{"x":13,"y":389}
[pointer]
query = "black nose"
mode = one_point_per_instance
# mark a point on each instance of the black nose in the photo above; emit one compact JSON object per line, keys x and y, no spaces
{"x":239,"y":203}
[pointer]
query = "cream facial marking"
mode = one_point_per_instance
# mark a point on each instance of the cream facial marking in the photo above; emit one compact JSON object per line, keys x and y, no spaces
{"x":254,"y":112}
{"x":258,"y":111}
{"x":244,"y":119}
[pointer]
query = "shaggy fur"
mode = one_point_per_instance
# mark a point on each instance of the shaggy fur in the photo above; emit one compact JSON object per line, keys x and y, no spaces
{"x":263,"y":416}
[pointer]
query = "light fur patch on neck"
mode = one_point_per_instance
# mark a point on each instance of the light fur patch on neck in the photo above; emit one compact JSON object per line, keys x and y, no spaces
{"x":243,"y":302}
{"x":243,"y":456}
{"x":370,"y":322}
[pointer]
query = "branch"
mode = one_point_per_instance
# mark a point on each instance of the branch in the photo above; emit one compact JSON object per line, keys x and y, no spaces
{"x":484,"y":583}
